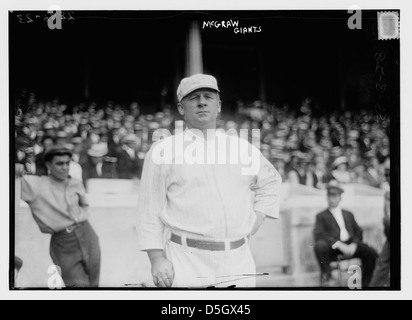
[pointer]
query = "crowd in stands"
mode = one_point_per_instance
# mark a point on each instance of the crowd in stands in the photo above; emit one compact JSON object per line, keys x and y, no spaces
{"x":111,"y":140}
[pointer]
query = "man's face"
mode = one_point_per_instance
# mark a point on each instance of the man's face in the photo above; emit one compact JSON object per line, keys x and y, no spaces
{"x":342,"y":167}
{"x":61,"y":141}
{"x":334,"y":199}
{"x":59,"y":167}
{"x":131,"y":144}
{"x":47,"y":144}
{"x":78,"y":148}
{"x":200,"y":109}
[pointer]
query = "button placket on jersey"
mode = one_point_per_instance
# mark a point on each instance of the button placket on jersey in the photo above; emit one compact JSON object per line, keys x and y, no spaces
{"x":213,"y":168}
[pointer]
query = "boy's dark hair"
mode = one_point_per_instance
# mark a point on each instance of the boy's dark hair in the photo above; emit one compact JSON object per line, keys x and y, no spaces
{"x":56,"y":151}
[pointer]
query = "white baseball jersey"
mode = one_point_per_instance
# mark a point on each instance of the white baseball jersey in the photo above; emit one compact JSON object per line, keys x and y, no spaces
{"x":213,"y":200}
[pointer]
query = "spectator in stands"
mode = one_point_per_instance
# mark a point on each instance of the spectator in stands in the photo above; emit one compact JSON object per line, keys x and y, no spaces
{"x":94,"y":135}
{"x":352,"y":135}
{"x":49,"y":130}
{"x":79,"y":153}
{"x":295,"y":171}
{"x":340,"y":171}
{"x":143,"y":150}
{"x":375,"y":171}
{"x":71,"y":127}
{"x":61,"y":138}
{"x":336,"y":232}
{"x":320,"y":171}
{"x":129,"y":164}
{"x":134,"y":109}
{"x":37,"y":142}
{"x":99,"y":165}
{"x":384,"y":150}
{"x":354,"y":157}
{"x":113,"y":140}
{"x":362,"y":176}
{"x":84,"y":128}
{"x":265,"y":150}
{"x":278,"y":161}
{"x":41,"y":169}
{"x":310,"y":174}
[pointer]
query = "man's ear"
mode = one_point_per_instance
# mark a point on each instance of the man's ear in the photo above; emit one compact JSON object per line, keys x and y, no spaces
{"x":48,"y":165}
{"x":220,"y":106}
{"x":180,"y":109}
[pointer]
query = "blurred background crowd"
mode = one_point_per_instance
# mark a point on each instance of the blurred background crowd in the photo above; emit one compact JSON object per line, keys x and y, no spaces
{"x":111,"y":140}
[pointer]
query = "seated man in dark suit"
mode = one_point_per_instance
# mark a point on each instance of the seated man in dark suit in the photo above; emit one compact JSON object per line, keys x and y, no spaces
{"x":337,"y":233}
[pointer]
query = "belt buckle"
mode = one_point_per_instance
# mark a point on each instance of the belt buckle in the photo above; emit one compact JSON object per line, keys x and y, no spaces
{"x":70,"y":229}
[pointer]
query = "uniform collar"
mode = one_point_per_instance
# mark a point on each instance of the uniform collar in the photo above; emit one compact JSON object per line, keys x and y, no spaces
{"x":211,"y":134}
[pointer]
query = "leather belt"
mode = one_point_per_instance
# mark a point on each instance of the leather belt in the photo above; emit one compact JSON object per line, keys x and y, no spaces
{"x":71,"y":228}
{"x":208,"y":245}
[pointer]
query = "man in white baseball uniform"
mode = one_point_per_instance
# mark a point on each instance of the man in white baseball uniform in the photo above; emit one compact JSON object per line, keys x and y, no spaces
{"x":203,"y":194}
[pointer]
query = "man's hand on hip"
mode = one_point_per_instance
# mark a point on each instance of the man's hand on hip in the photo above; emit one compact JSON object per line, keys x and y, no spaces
{"x":260,"y":217}
{"x":162,"y":269}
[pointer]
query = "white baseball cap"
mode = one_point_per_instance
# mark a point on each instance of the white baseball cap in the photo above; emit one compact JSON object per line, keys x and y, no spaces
{"x":197,"y":81}
{"x":339,"y":161}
